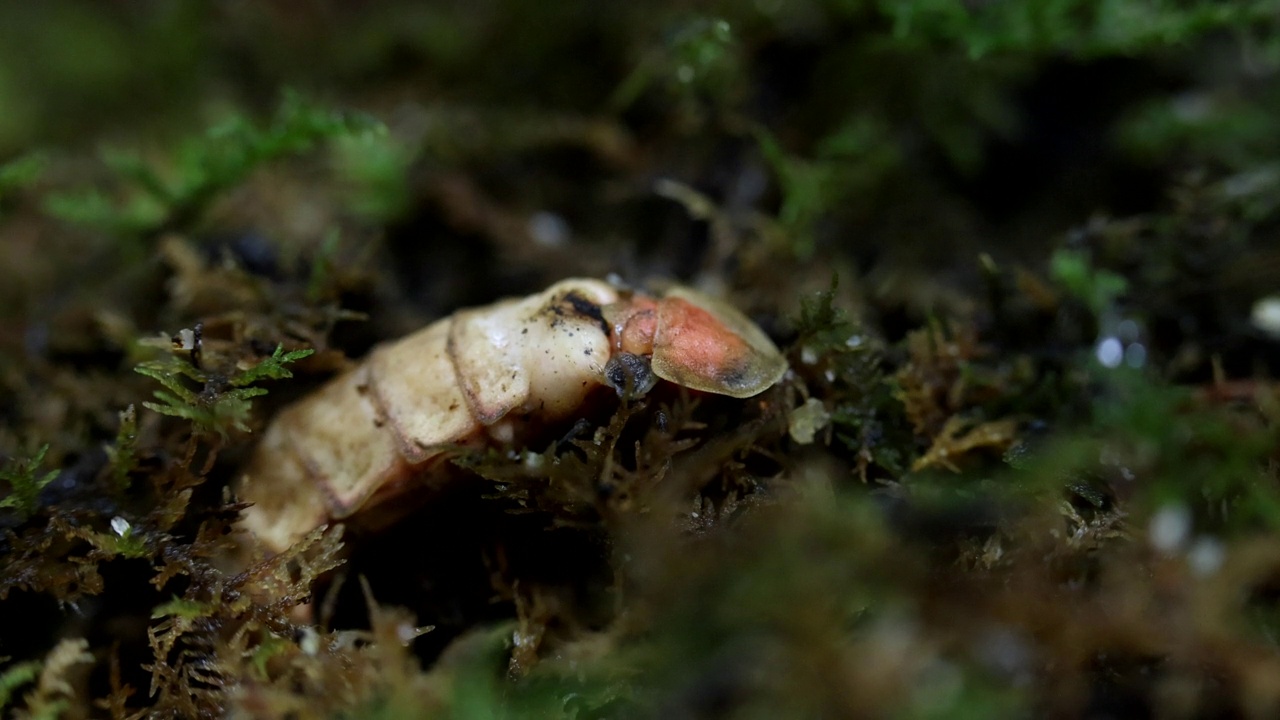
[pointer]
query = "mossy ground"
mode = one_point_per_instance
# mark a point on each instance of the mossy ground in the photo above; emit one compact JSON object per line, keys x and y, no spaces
{"x":1026,"y":462}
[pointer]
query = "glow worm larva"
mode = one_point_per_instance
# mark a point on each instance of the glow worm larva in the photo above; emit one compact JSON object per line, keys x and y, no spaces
{"x":487,"y":375}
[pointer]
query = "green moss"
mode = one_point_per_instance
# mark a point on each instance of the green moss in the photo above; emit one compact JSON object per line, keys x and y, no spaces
{"x":221,"y":404}
{"x":123,"y":454}
{"x":24,"y":481}
{"x":1097,"y":289}
{"x":154,"y":199}
{"x":14,"y":677}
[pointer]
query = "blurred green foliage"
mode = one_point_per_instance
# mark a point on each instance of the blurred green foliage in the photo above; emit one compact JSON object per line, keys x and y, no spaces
{"x":375,"y":166}
{"x":200,"y":168}
{"x":699,"y":62}
{"x":850,"y":163}
{"x":14,"y":677}
{"x":1188,"y":452}
{"x":19,"y":173}
{"x":1079,"y":27}
{"x":1098,"y":289}
{"x":66,"y":66}
{"x":23,"y":482}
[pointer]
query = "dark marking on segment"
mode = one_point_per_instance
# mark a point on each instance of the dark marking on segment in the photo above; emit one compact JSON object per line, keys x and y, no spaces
{"x":584,"y":307}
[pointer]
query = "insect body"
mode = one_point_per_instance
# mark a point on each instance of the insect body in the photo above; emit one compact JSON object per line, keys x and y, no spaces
{"x":487,"y":375}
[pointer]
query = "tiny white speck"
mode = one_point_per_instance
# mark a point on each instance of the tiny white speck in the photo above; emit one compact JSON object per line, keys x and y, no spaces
{"x":407,"y":633}
{"x":310,"y":641}
{"x":120,"y":526}
{"x":187,"y":339}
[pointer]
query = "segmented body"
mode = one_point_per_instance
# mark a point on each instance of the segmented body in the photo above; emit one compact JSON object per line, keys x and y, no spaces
{"x":481,"y":376}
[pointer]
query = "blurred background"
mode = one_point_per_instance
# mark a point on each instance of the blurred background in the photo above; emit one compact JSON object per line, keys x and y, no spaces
{"x":893,"y":139}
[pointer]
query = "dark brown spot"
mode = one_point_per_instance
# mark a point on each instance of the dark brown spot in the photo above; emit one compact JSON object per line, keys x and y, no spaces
{"x":587,"y":309}
{"x":733,"y":377}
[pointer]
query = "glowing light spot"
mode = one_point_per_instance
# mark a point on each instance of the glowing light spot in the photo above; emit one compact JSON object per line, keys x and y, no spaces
{"x":1169,"y":528}
{"x":1266,"y":316}
{"x":1110,"y":352}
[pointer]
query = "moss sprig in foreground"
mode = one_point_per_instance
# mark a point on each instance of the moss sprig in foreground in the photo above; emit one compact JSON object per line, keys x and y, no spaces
{"x":221,"y":404}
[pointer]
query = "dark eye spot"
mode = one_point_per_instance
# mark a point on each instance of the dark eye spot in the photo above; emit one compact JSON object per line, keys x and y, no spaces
{"x":629,"y":375}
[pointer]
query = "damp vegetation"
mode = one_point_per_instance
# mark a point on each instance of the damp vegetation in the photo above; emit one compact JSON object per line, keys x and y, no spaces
{"x":1020,"y":259}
